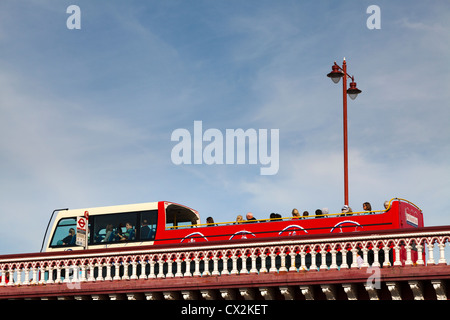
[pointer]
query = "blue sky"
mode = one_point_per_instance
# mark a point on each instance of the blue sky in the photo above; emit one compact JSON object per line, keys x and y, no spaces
{"x":86,"y":116}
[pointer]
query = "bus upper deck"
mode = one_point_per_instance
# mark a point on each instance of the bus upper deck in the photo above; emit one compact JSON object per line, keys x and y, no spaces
{"x":167,"y":222}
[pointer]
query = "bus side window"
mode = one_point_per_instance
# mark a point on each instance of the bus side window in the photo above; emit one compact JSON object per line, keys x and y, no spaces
{"x":148,"y":225}
{"x":65,"y":233}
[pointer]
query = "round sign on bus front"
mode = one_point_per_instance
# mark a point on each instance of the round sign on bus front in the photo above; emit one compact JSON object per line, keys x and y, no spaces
{"x":81,"y":223}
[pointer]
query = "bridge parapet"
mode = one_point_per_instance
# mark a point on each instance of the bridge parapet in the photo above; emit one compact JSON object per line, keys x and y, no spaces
{"x":388,"y":265}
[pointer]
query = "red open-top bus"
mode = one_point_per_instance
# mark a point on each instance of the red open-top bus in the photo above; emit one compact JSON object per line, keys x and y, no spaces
{"x":165,"y":222}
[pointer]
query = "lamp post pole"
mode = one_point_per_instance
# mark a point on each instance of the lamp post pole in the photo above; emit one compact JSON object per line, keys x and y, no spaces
{"x":336,"y":74}
{"x":344,"y":95}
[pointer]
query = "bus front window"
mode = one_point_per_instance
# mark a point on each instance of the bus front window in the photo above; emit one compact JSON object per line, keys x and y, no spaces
{"x":65,"y":233}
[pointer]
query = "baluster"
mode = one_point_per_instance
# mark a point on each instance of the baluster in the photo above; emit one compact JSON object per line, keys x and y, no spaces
{"x":108,"y":271}
{"x":303,"y":266}
{"x":420,"y":261}
{"x":27,"y":276}
{"x":152,"y":274}
{"x":408,"y":261}
{"x":206,"y":268}
{"x":292,"y":254}
{"x":225,"y":265}
{"x":126,"y":264}
{"x":35,"y":279}
{"x":41,"y":273}
{"x":143,"y":263}
{"x":283,"y":262}
{"x":3,"y":280}
{"x":323,"y":255}
{"x":397,"y":261}
{"x":19,"y":276}
{"x":11,"y":277}
{"x":234,"y":269}
{"x":253,"y":270}
{"x":273,"y":267}
{"x":313,"y":261}
{"x":83,"y":272}
{"x":430,"y":253}
{"x":134,"y":270}
{"x":188,"y":273}
{"x":263,"y":257}
{"x":442,"y":253}
{"x":100,"y":272}
{"x":179,"y":262}
{"x":160,"y":267}
{"x":244,"y":264}
{"x":117,"y":270}
{"x":344,"y":264}
{"x":58,"y":273}
{"x":215,"y":266}
{"x":365,"y":251}
{"x":50,"y":274}
{"x":386,"y":250}
{"x":376,"y":260}
{"x":333,"y":265}
{"x":354,"y":258}
{"x":169,"y":268}
{"x":197,"y":267}
{"x":91,"y":271}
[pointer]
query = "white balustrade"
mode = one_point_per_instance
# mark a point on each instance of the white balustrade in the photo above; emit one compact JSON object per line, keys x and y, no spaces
{"x":278,"y":256}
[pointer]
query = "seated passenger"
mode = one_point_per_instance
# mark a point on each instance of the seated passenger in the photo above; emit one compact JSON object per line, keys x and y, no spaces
{"x":295,"y":214}
{"x":325,"y":211}
{"x":109,"y":233}
{"x":367,"y":207}
{"x":210,"y":222}
{"x":128,"y":234}
{"x":70,"y":239}
{"x":305,"y":214}
{"x":250,"y":217}
{"x":346,"y":211}
{"x":145,"y":230}
{"x":239,"y":219}
{"x":275,"y":216}
{"x":386,"y":204}
{"x":319,"y":213}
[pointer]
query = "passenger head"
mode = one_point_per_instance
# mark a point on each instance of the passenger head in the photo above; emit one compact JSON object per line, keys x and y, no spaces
{"x":367,"y":206}
{"x":239,"y":218}
{"x":209,"y":220}
{"x":325,"y":211}
{"x":386,"y":204}
{"x":249,"y":216}
{"x":305,"y":213}
{"x":295,"y":213}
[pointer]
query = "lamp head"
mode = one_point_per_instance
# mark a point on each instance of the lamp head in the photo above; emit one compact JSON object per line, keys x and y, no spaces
{"x":335,"y":74}
{"x":353,"y":91}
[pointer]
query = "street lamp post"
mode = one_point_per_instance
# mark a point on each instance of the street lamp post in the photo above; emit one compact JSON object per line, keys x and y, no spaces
{"x":336,"y":74}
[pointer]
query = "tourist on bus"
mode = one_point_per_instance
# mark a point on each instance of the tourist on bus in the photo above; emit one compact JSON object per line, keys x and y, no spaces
{"x":239,"y":219}
{"x":319,"y":213}
{"x":210,"y":222}
{"x":305,"y":214}
{"x":295,"y":214}
{"x":128,"y":234}
{"x":367,"y":207}
{"x":347,"y":211}
{"x":250,"y":217}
